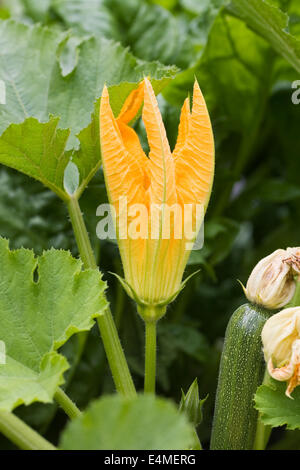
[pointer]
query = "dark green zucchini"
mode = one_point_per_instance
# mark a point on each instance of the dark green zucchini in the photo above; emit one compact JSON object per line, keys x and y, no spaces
{"x":241,"y":372}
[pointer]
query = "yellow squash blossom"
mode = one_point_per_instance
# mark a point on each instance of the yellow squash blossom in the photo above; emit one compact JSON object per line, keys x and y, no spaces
{"x":150,"y":193}
{"x":281,"y":341}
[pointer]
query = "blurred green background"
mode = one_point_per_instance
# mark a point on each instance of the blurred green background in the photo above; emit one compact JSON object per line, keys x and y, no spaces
{"x":255,"y":204}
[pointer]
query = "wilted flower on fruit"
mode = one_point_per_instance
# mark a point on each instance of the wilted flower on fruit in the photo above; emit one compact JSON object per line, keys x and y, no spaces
{"x":152,"y":231}
{"x":293,"y":260}
{"x":271,"y":283}
{"x":281,"y":341}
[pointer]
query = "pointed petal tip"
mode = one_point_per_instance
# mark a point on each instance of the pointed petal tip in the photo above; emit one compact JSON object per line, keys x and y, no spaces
{"x":104,"y":101}
{"x":197,"y":90}
{"x":104,"y":91}
{"x":288,"y":394}
{"x":196,"y":83}
{"x":147,"y":84}
{"x":186,"y":105}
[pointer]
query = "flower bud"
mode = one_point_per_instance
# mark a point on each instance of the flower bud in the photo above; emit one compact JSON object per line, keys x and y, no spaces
{"x":191,"y":404}
{"x":271,"y":283}
{"x":281,"y":342}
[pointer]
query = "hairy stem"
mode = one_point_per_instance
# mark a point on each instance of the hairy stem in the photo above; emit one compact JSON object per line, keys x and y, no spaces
{"x":150,"y":357}
{"x":67,"y":404}
{"x":81,"y":234}
{"x":109,"y":334}
{"x":115,"y":355}
{"x":21,"y":434}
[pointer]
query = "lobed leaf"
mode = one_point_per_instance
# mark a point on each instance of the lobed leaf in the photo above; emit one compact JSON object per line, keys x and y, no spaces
{"x":43,"y":301}
{"x":37,"y":145}
{"x":276,"y":408}
{"x":38,"y":150}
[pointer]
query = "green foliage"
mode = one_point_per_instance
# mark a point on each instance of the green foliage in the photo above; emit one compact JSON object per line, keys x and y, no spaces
{"x":245,"y":57}
{"x":30,"y":214}
{"x":145,"y":423}
{"x":36,"y":146}
{"x":43,"y":302}
{"x":276,"y":408}
{"x":37,"y":149}
{"x":136,"y":24}
{"x":271,"y":23}
{"x":229,"y":76}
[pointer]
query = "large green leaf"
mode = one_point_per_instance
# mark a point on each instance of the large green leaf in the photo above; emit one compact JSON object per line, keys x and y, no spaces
{"x":43,"y":301}
{"x":28,"y":50}
{"x":37,"y":146}
{"x":100,"y":62}
{"x":234,"y":74}
{"x":144,"y":423}
{"x":136,"y":24}
{"x":272,"y":24}
{"x":38,"y":150}
{"x":276,"y":408}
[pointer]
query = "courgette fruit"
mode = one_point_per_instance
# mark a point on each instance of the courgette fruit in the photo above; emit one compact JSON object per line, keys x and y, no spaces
{"x":241,"y":372}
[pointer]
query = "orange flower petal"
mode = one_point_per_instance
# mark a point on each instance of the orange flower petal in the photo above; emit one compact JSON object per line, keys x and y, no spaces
{"x":183,"y":129}
{"x":161,"y":165}
{"x":194,"y":164}
{"x":123,"y":173}
{"x":132,"y":143}
{"x":132,"y":104}
{"x":154,"y":266}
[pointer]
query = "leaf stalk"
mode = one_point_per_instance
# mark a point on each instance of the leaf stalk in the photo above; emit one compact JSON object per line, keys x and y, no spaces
{"x":112,"y":345}
{"x":21,"y":434}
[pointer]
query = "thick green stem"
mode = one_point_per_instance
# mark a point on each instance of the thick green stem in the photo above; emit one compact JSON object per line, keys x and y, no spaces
{"x":67,"y":404}
{"x":120,"y":298}
{"x":109,"y":334}
{"x":262,"y":432}
{"x":150,"y":356}
{"x":81,"y":235}
{"x":22,"y":435}
{"x":115,"y":355}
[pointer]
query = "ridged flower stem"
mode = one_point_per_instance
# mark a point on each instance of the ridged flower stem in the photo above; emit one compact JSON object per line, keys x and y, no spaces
{"x":21,"y":434}
{"x":109,"y":334}
{"x":115,"y":355}
{"x":67,"y":404}
{"x":150,"y":357}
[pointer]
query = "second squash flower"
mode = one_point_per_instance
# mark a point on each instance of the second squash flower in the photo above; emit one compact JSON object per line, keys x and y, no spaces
{"x":159,"y":200}
{"x":281,"y":340}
